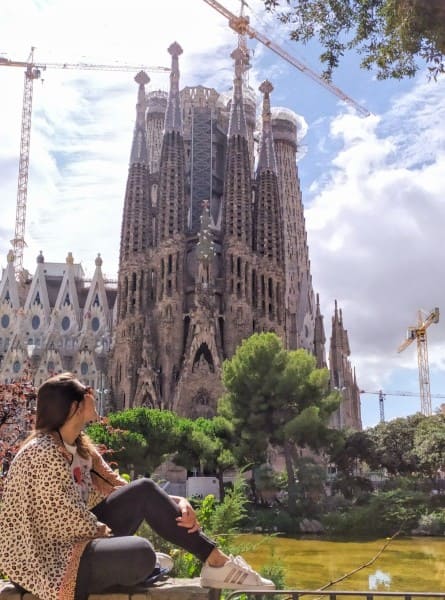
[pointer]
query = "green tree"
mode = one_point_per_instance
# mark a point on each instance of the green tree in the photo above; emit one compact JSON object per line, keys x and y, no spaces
{"x":205,"y":444}
{"x":277,"y":397}
{"x":429,"y":444}
{"x":394,"y":443}
{"x":391,"y":35}
{"x":141,"y":437}
{"x":352,"y":448}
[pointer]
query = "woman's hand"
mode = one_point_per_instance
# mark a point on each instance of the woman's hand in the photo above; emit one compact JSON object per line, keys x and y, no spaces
{"x":188,"y":516}
{"x":103,"y":530}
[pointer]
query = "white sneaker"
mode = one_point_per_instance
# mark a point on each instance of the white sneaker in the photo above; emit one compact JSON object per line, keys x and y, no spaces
{"x":236,"y":574}
{"x":164,"y":561}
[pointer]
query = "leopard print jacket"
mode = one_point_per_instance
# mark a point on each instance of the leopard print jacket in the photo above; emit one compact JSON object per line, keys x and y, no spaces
{"x":44,"y":523}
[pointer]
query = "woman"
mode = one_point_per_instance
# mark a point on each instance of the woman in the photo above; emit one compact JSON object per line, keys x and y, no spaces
{"x":68,"y":521}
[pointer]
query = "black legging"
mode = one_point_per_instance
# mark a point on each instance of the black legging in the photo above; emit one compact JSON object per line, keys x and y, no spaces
{"x":125,"y":559}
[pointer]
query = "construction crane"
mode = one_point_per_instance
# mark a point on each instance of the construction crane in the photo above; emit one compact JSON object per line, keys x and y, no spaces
{"x":418,"y":332}
{"x":240,"y":24}
{"x":382,"y":395}
{"x":33,"y":70}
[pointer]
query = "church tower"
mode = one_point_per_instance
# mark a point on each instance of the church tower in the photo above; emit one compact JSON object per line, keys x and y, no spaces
{"x":136,"y":239}
{"x":343,"y":377}
{"x":237,"y":219}
{"x":299,"y":295}
{"x":268,"y":281}
{"x":168,"y":254}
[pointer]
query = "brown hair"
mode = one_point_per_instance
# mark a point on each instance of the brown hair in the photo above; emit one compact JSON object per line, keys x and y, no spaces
{"x":54,"y":399}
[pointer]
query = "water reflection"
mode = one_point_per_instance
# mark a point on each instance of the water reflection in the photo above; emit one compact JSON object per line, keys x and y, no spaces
{"x":406,"y":565}
{"x":379,"y":580}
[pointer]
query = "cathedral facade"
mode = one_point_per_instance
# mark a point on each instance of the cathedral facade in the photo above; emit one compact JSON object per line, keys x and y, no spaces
{"x":213,"y":249}
{"x":56,"y":320}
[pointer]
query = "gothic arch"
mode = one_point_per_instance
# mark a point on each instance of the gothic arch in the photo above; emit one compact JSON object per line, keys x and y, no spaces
{"x":203,"y":354}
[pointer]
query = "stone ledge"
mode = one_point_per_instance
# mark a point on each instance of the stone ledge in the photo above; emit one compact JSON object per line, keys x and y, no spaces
{"x":170,"y":589}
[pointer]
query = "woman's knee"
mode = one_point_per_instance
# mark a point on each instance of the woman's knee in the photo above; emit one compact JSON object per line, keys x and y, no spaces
{"x":142,"y":558}
{"x":144,"y":485}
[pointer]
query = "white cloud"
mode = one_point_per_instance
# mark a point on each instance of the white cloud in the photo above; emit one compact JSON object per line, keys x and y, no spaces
{"x":375,"y":229}
{"x":83,"y":120}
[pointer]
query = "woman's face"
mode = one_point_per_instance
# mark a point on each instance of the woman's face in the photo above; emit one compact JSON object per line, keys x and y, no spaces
{"x":87,"y":407}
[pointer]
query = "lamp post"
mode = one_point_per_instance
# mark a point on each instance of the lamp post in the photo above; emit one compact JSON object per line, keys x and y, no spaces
{"x":101,"y":392}
{"x":30,"y":363}
{"x":101,"y":350}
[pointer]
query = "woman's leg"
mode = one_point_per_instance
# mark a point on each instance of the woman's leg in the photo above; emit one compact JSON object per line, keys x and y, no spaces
{"x":125,"y":509}
{"x":107,"y":562}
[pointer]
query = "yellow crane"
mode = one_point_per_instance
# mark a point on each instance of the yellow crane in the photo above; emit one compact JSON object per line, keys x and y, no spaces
{"x":240,"y":24}
{"x":418,"y":332}
{"x":33,"y":70}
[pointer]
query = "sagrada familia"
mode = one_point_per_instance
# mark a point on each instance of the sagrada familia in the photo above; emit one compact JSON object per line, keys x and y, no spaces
{"x":213,"y":249}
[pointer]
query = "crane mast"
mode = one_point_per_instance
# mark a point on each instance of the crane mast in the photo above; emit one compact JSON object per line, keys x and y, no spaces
{"x":33,"y":71}
{"x":240,"y":24}
{"x":18,"y":243}
{"x":418,"y":332}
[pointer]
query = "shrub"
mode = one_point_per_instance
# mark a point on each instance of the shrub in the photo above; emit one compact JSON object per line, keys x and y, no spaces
{"x":384,"y":515}
{"x":276,"y":520}
{"x":276,"y":573}
{"x":432,"y":523}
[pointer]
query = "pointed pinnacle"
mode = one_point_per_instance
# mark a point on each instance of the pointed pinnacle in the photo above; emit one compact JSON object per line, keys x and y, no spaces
{"x":142,"y":78}
{"x":266,"y":87}
{"x":175,"y":49}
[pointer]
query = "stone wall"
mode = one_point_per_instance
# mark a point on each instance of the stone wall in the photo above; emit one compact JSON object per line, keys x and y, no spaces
{"x":170,"y":589}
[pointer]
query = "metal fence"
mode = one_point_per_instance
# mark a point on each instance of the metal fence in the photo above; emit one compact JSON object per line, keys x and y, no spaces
{"x":328,"y":595}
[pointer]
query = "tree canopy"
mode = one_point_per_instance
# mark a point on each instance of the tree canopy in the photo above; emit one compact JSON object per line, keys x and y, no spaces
{"x":391,"y":35}
{"x":394,"y":444}
{"x":279,"y":398}
{"x":429,"y":444}
{"x":142,"y":438}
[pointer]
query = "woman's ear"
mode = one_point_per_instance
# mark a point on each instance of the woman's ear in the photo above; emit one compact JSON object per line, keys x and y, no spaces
{"x":73,"y":409}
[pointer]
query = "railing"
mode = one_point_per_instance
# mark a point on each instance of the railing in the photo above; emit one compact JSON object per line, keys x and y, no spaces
{"x":328,"y":594}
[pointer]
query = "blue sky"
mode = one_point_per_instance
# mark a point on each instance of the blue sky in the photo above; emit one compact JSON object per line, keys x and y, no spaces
{"x":373,"y":188}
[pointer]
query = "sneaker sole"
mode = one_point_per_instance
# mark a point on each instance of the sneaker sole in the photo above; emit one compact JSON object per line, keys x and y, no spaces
{"x":218,"y":585}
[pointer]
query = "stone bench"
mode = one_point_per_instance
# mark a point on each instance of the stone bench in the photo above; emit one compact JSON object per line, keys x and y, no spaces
{"x":170,"y":589}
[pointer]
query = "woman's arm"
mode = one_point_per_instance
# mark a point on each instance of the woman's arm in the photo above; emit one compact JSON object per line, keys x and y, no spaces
{"x":58,"y":510}
{"x":105,"y":480}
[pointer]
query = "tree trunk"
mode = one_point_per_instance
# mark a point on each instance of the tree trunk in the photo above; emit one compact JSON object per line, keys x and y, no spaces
{"x":222,"y":491}
{"x":291,"y":483}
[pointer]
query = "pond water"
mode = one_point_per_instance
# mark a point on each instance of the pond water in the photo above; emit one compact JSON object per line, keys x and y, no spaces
{"x":408,"y":564}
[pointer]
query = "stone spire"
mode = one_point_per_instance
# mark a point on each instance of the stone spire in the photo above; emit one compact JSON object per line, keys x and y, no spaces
{"x":171,"y":205}
{"x":319,"y":337}
{"x":238,"y":185}
{"x":342,"y":376}
{"x":136,"y":240}
{"x":267,"y":158}
{"x":139,"y":147}
{"x":237,"y":123}
{"x":237,"y":218}
{"x":268,"y":235}
{"x":9,"y":291}
{"x":173,"y":120}
{"x":339,"y":340}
